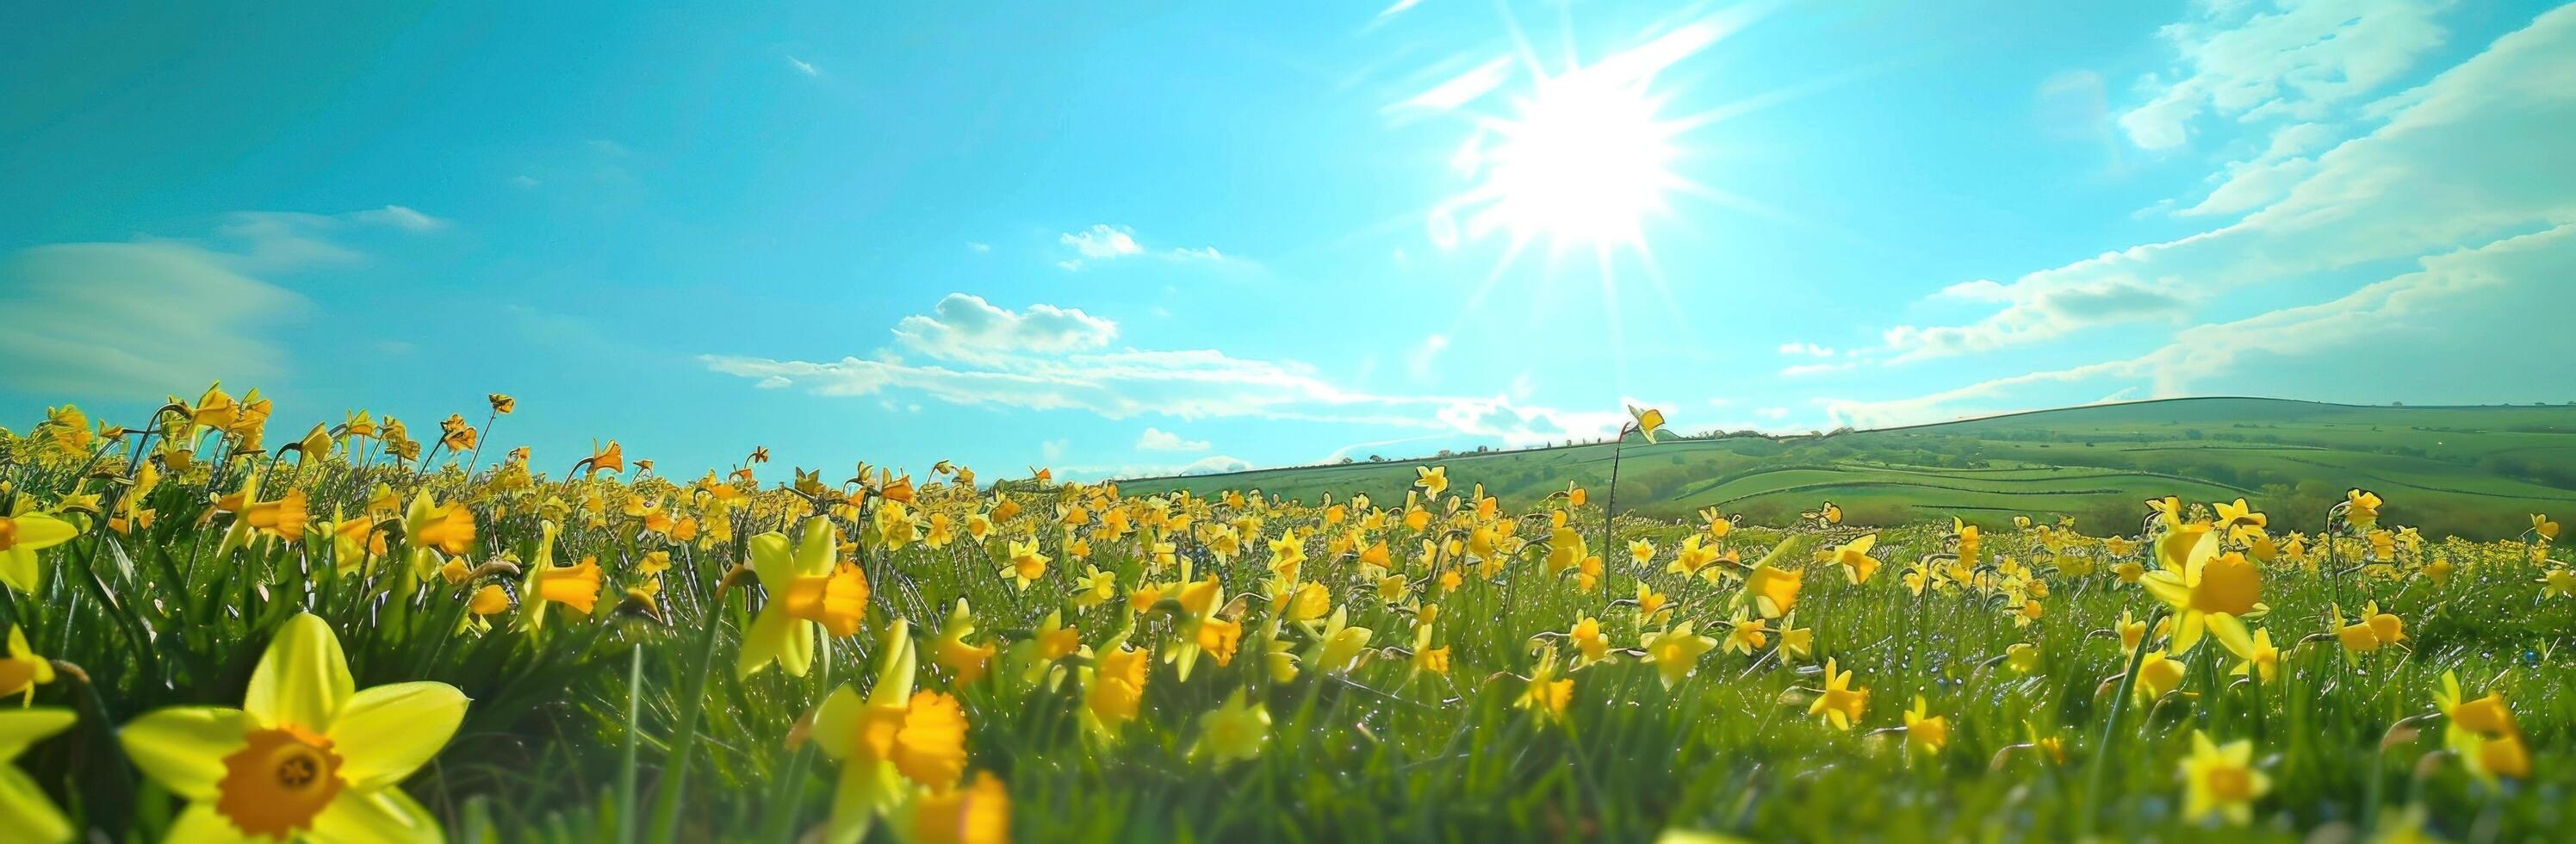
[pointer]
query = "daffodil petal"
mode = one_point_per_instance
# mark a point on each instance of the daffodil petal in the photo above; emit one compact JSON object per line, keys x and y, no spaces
{"x":183,"y":747}
{"x":18,"y":568}
{"x":38,"y":531}
{"x":762,"y":643}
{"x":836,"y":722}
{"x":387,"y":732}
{"x":772,"y":561}
{"x":814,"y":553}
{"x":2187,"y":631}
{"x":383,"y":815}
{"x":2232,"y":634}
{"x":25,"y":813}
{"x":303,"y":679}
{"x":20,"y":728}
{"x":2167,"y":587}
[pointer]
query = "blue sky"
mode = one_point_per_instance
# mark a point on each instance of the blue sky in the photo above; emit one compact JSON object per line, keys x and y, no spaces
{"x":1134,"y":238}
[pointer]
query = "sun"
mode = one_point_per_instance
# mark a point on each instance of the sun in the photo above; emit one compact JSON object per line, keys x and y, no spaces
{"x":1584,"y":160}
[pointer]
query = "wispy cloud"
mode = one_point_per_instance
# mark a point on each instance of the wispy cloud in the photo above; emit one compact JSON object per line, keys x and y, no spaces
{"x":1109,"y":242}
{"x":1049,"y":358}
{"x":167,"y":315}
{"x":1157,"y":439}
{"x":803,"y":66}
{"x":2448,"y":166}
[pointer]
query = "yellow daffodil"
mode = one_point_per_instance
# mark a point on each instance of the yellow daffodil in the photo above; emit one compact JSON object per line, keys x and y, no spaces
{"x":1433,"y":480}
{"x":1027,"y":565}
{"x":809,"y":598}
{"x":1745,"y":635}
{"x":21,"y":537}
{"x":1675,"y":653}
{"x":2542,"y":527}
{"x":1773,"y":590}
{"x":1854,"y":557}
{"x":2208,"y":590}
{"x":1925,"y":731}
{"x":1547,"y":694}
{"x":1646,"y":421}
{"x":1839,"y":703}
{"x":21,"y":670}
{"x":2221,"y":780}
{"x":967,"y":662}
{"x":2158,"y":675}
{"x":1236,"y":731}
{"x":307,"y":756}
{"x":26,"y":814}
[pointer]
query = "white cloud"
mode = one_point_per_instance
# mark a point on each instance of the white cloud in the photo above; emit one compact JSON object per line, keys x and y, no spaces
{"x":2293,"y":59}
{"x":976,"y":364}
{"x":1806,"y":349}
{"x":1157,"y":439}
{"x":400,"y":217}
{"x":1804,"y":369}
{"x":979,"y":246}
{"x":1053,"y":450}
{"x":1108,"y":242}
{"x":965,"y":327}
{"x":2451,"y":296}
{"x":1099,"y":243}
{"x":157,"y":315}
{"x":803,"y":66}
{"x":1772,"y":413}
{"x":1210,"y":465}
{"x":2459,"y":161}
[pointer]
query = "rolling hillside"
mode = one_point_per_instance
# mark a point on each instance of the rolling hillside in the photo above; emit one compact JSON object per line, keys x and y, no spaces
{"x":2473,"y":471}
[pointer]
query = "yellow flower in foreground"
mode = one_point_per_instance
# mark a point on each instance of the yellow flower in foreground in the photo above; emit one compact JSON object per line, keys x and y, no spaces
{"x":2541,"y":525}
{"x":1746,"y":635}
{"x":1925,"y":731}
{"x":2256,"y":651}
{"x":866,"y":736}
{"x":1235,"y":731}
{"x":808,"y":596}
{"x":2222,"y":780}
{"x":20,"y":537}
{"x":2208,"y":590}
{"x":25,"y":813}
{"x":977,"y":814}
{"x":1675,"y":653}
{"x":2482,"y":732}
{"x":1839,"y":703}
{"x":1117,"y":685}
{"x":307,"y":755}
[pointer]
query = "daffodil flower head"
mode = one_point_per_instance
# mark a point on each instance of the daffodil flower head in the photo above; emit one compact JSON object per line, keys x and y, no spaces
{"x":307,"y":755}
{"x":1235,"y":731}
{"x":21,"y":537}
{"x":1839,"y":703}
{"x":808,"y":597}
{"x":2207,"y":589}
{"x":2221,"y":780}
{"x":1675,"y":653}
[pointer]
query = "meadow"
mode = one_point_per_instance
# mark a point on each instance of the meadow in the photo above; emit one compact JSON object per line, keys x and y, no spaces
{"x":370,"y":633}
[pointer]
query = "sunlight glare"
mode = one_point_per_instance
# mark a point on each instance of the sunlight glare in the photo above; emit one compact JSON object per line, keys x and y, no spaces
{"x":1584,"y":161}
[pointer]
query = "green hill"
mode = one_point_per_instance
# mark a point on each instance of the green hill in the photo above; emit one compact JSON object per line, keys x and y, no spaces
{"x":2473,"y":471}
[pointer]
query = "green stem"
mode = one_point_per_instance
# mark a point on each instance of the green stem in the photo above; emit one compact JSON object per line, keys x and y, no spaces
{"x":675,"y":768}
{"x":2094,"y":768}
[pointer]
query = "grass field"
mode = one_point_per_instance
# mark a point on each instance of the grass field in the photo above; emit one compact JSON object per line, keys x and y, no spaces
{"x":359,"y":635}
{"x":2466,"y":470}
